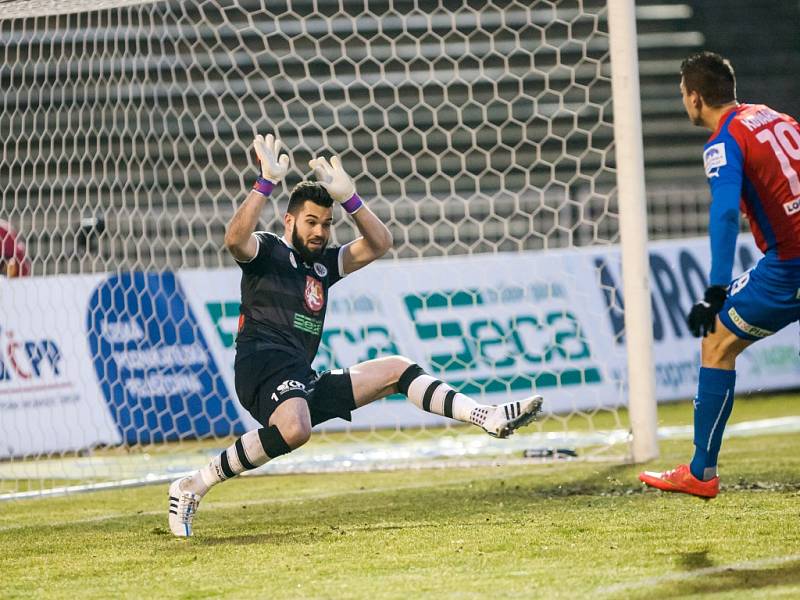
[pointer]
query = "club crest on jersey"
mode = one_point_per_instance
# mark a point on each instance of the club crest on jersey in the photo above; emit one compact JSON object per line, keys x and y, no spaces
{"x":320,"y":269}
{"x":315,"y":294}
{"x":714,"y":158}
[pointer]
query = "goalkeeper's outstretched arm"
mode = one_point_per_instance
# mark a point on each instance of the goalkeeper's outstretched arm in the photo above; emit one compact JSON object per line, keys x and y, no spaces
{"x":239,"y":238}
{"x":376,"y":239}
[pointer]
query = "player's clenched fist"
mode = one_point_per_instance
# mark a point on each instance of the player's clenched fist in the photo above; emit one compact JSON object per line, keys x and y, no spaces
{"x":273,"y":166}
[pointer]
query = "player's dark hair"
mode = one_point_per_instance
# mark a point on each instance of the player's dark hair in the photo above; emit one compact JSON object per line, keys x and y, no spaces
{"x":711,"y":76}
{"x":308,"y":191}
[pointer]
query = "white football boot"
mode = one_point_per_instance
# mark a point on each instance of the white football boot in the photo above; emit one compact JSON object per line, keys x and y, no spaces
{"x":182,"y":508}
{"x":502,"y":420}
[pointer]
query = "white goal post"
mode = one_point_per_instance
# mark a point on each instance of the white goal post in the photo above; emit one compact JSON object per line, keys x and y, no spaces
{"x":500,"y":142}
{"x":633,"y":228}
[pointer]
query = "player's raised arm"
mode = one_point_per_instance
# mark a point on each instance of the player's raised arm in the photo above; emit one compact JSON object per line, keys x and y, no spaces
{"x":375,"y":238}
{"x":239,"y":238}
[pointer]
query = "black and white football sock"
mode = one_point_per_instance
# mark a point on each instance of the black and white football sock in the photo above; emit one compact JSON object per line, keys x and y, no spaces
{"x":250,"y":451}
{"x":435,"y":396}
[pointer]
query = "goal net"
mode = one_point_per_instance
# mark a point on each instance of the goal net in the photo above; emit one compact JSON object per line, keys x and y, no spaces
{"x":481,"y":133}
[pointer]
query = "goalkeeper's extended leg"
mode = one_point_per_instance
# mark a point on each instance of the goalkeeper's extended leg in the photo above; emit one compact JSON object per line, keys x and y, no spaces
{"x":250,"y":451}
{"x":384,"y":376}
{"x":435,"y":396}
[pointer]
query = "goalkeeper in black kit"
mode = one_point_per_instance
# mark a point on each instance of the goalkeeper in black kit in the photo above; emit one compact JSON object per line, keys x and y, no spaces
{"x":285,"y":286}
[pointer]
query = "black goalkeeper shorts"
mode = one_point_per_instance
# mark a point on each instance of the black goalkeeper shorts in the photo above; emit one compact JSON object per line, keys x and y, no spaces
{"x":265,"y":379}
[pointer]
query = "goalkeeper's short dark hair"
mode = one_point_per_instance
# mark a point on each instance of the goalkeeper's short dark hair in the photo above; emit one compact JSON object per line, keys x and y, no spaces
{"x":308,"y":191}
{"x":711,"y":76}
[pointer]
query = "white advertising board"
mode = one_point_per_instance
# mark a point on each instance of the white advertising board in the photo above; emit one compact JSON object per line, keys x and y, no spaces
{"x":49,"y":397}
{"x":137,"y":358}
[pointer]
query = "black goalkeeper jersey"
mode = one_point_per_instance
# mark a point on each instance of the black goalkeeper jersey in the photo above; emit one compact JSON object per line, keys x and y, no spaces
{"x":284,"y":299}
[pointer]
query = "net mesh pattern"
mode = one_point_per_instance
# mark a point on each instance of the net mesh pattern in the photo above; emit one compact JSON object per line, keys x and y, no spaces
{"x":471,"y":128}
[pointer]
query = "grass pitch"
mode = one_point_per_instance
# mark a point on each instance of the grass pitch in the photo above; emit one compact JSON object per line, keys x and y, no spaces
{"x":562,"y":530}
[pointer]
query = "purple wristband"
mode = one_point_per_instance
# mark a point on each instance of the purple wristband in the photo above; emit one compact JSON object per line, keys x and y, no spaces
{"x":263,"y":186}
{"x":353,"y":204}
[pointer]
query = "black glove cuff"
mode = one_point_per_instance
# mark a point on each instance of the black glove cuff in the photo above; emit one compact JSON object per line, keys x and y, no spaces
{"x":715,"y":296}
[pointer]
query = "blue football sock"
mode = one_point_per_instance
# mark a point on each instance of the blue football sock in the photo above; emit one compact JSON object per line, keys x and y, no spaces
{"x":712,"y":407}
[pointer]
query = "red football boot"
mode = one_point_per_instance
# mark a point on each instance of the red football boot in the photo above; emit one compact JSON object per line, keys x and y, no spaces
{"x":680,"y":479}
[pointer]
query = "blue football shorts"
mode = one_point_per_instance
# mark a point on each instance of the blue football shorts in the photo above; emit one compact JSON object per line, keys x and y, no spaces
{"x":763,"y":300}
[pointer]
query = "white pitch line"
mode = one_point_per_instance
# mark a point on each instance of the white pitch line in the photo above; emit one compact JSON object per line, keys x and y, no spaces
{"x":210,"y":506}
{"x":762,"y":563}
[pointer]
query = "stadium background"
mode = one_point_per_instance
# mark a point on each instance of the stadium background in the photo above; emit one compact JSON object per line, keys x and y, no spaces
{"x":517,"y":529}
{"x":175,"y":212}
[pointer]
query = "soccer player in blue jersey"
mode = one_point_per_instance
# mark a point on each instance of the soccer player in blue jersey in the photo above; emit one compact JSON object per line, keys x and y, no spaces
{"x":752,"y":161}
{"x":285,"y":284}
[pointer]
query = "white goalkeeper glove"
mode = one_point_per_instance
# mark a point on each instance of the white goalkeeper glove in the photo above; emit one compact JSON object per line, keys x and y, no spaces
{"x":333,"y":178}
{"x":273,"y":167}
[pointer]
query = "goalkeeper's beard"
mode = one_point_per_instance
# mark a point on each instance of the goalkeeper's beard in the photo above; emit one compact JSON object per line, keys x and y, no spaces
{"x":307,"y":254}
